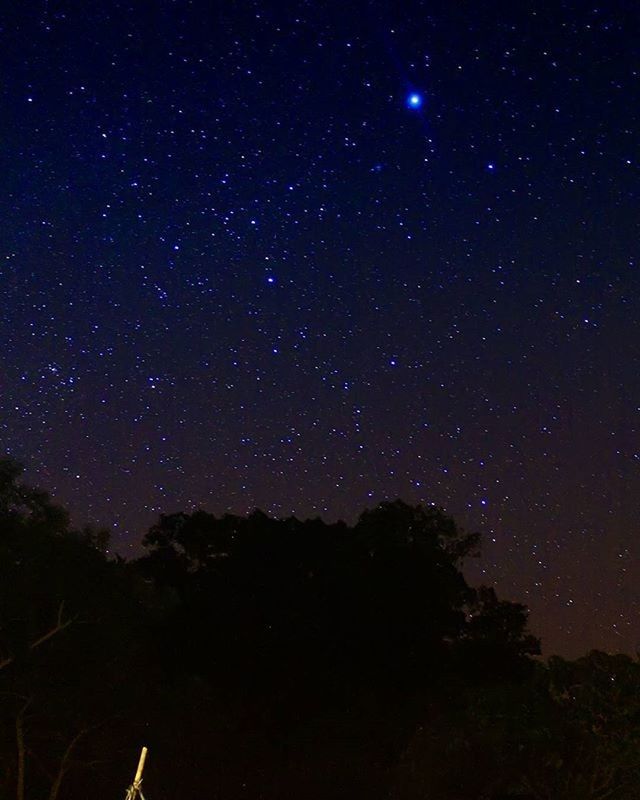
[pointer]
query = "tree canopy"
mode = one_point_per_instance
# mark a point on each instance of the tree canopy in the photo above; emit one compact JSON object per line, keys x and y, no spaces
{"x":261,"y":657}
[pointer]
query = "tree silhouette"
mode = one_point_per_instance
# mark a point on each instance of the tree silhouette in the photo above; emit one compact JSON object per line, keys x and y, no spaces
{"x":62,"y":635}
{"x":273,"y":657}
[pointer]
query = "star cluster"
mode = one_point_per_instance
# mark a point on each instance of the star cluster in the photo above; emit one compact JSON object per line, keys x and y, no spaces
{"x":309,"y":256}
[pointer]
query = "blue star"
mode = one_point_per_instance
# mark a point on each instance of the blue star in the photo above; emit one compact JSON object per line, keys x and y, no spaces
{"x":414,"y":100}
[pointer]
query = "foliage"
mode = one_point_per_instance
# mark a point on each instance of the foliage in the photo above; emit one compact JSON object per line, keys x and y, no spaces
{"x":64,"y":640}
{"x":267,"y":658}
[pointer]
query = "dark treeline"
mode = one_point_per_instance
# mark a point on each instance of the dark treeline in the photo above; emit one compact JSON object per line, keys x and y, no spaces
{"x":262,"y":658}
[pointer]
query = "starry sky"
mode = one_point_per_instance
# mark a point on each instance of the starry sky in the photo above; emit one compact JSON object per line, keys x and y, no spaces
{"x":309,"y":256}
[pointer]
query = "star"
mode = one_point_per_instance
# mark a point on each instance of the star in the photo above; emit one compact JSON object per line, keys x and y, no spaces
{"x":414,"y":100}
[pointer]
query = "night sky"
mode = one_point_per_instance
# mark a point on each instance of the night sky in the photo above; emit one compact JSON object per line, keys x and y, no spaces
{"x":309,"y":256}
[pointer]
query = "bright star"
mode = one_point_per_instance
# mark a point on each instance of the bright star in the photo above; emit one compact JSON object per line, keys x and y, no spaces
{"x":414,"y":100}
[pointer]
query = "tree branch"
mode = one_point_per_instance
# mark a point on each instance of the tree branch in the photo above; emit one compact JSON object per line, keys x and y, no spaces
{"x":64,"y":763}
{"x":21,"y":752}
{"x":59,"y":626}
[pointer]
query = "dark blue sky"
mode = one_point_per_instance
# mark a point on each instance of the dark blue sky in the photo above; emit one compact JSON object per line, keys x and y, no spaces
{"x":238,"y":270}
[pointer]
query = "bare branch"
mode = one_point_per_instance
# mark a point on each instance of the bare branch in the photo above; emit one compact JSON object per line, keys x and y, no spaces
{"x":64,"y":763}
{"x":21,"y":752}
{"x":59,"y":626}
